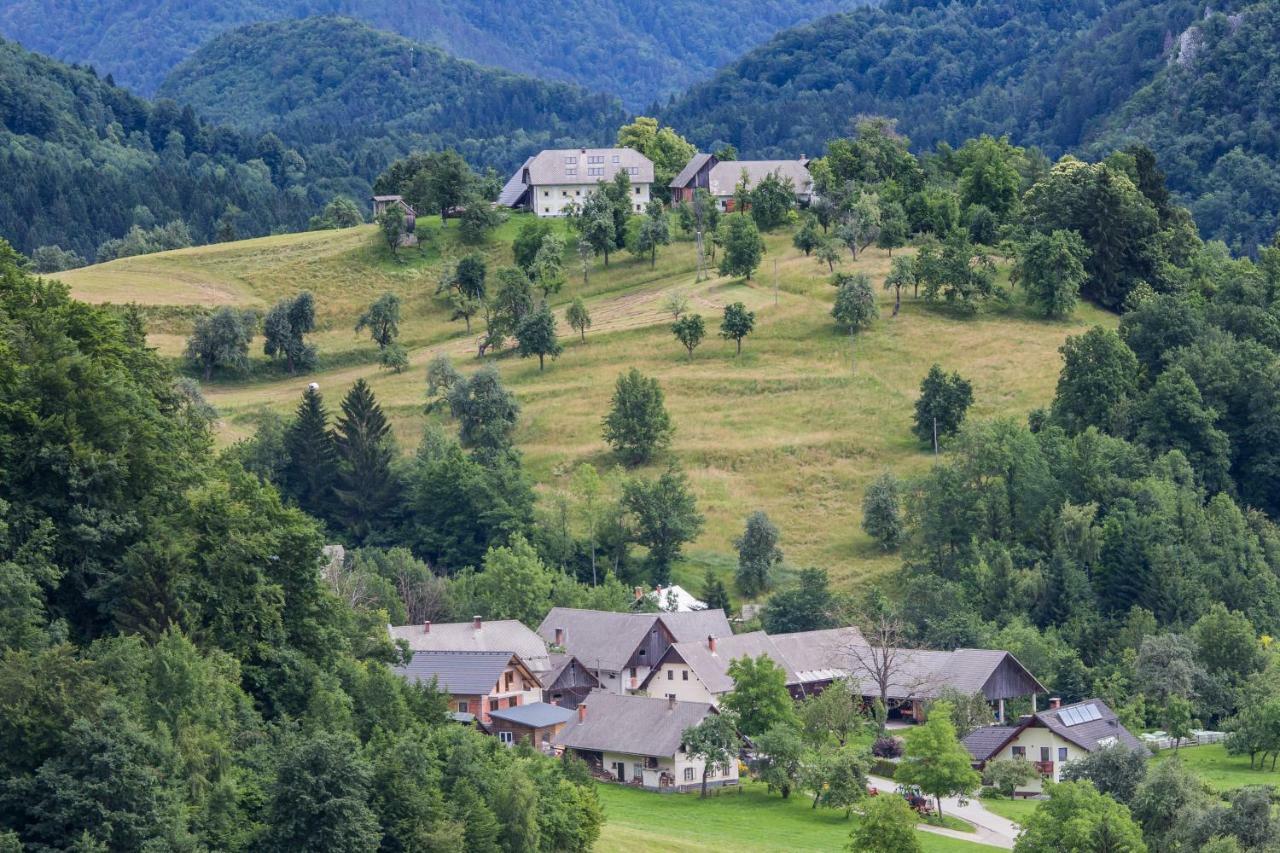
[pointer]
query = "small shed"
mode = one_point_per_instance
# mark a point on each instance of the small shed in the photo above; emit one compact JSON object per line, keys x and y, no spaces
{"x":536,"y":724}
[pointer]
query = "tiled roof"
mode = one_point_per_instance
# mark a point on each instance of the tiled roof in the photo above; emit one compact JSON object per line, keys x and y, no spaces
{"x":985,"y":742}
{"x":535,"y":715}
{"x":553,"y":166}
{"x":514,"y":187}
{"x":502,"y":635}
{"x":604,"y":640}
{"x":1092,"y":734}
{"x":635,"y":725}
{"x":725,"y":175}
{"x":458,"y":673}
{"x":712,"y":667}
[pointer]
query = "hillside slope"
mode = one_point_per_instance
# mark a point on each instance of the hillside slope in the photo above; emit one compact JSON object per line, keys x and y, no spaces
{"x":640,"y":50}
{"x":349,"y":94}
{"x":786,"y":427}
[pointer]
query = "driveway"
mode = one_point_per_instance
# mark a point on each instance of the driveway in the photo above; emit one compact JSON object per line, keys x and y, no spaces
{"x":990,"y":828}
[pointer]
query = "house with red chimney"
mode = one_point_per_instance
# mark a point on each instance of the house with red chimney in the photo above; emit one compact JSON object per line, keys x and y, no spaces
{"x":638,"y":740}
{"x":478,"y":635}
{"x":477,"y":683}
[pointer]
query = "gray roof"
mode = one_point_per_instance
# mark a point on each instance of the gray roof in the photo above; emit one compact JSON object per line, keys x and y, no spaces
{"x":635,"y":725}
{"x":514,"y":187}
{"x":1089,"y":735}
{"x":712,"y":667}
{"x":552,"y":167}
{"x":503,"y":635}
{"x":985,"y":742}
{"x":725,"y":175}
{"x":535,"y":715}
{"x":696,"y":162}
{"x":458,"y":673}
{"x":605,"y":640}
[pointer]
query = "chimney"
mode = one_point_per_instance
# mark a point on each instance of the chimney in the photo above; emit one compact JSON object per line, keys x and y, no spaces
{"x":639,"y":593}
{"x":711,"y":644}
{"x":582,"y":711}
{"x":560,"y":637}
{"x":477,"y":622}
{"x":671,"y":702}
{"x":426,"y":627}
{"x":584,"y":151}
{"x":1055,"y":703}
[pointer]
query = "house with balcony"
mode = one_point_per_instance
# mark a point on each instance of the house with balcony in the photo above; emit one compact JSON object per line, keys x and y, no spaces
{"x":477,"y":683}
{"x":638,"y":740}
{"x":619,"y":649}
{"x":550,"y":181}
{"x":1051,"y":739}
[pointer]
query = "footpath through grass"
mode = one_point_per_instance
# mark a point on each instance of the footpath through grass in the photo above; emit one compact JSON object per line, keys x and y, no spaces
{"x":749,"y":819}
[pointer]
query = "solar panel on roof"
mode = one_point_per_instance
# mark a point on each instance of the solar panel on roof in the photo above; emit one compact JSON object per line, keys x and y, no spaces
{"x":1082,"y":714}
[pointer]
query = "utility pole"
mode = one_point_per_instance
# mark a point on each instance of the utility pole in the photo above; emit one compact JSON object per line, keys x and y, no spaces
{"x":702,"y":258}
{"x":935,"y":438}
{"x":775,"y":282}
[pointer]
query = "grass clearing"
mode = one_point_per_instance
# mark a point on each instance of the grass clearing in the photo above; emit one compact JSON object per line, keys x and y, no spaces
{"x":1221,"y":771}
{"x":790,"y":426}
{"x":748,"y":820}
{"x":1014,"y":810}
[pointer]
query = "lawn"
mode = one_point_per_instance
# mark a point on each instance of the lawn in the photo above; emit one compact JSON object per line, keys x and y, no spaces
{"x":1220,"y":771}
{"x":750,"y":820}
{"x":791,"y":426}
{"x":1014,"y":810}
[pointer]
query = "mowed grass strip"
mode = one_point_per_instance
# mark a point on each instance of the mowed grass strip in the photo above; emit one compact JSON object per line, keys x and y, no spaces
{"x":751,"y":819}
{"x":1221,"y":771}
{"x":797,"y":425}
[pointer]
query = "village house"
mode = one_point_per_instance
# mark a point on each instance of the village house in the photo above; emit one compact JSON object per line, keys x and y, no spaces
{"x":477,"y":683}
{"x":567,"y":682}
{"x":1051,"y":739}
{"x":504,"y":635}
{"x":536,"y":724}
{"x":620,"y":648}
{"x":811,"y":660}
{"x":551,"y":180}
{"x":721,"y":178}
{"x":638,"y":740}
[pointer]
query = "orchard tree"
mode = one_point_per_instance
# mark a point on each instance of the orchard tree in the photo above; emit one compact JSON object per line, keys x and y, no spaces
{"x":690,"y":330}
{"x":485,"y":410}
{"x":578,"y":317}
{"x":827,"y":252}
{"x":780,"y":756}
{"x":470,"y":274}
{"x":547,"y":270}
{"x":894,"y":228}
{"x":759,"y":697}
{"x":758,"y":554}
{"x":528,"y":241}
{"x":772,"y":200}
{"x":942,"y":405}
{"x":221,"y":340}
{"x":596,"y":224}
{"x":1051,"y":270}
{"x":807,"y":237}
{"x":882,"y":512}
{"x":855,"y":307}
{"x":935,"y":761}
{"x":902,"y":274}
{"x":743,"y":247}
{"x":649,"y":232}
{"x":536,"y":335}
{"x":391,"y":227}
{"x":738,"y":322}
{"x":284,"y":328}
{"x":382,"y":319}
{"x":637,"y":426}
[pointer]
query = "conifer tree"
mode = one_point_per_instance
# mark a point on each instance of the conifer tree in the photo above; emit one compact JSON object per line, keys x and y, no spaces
{"x":365,"y":483}
{"x":311,"y":464}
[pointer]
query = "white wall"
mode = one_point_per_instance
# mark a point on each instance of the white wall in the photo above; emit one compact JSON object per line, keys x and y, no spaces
{"x":676,"y":765}
{"x":678,"y":679}
{"x":550,"y":200}
{"x":1032,"y":739}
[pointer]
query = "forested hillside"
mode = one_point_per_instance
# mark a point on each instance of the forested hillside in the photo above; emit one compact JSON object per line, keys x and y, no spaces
{"x":349,"y":96}
{"x":1056,"y":75}
{"x":640,"y":50}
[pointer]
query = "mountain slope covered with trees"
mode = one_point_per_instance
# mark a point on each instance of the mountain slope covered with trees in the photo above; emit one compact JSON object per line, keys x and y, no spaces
{"x":640,"y":50}
{"x":347,"y":95}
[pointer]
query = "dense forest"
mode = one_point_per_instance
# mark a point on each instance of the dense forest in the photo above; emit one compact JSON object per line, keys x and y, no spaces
{"x":639,"y":51}
{"x":352,"y":98}
{"x":1061,"y":76}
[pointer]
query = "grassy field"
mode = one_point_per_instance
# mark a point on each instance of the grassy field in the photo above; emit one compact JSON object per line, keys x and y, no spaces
{"x":1014,"y":810}
{"x":751,"y":820}
{"x":1220,"y":771}
{"x":791,"y":426}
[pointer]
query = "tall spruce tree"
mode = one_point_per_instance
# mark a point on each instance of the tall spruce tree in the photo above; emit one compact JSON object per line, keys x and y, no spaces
{"x":311,"y":465}
{"x":365,"y":483}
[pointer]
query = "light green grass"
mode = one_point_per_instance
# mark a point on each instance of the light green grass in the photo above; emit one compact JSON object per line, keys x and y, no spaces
{"x":790,"y":426}
{"x":1014,"y":810}
{"x":1220,"y":771}
{"x":750,"y":820}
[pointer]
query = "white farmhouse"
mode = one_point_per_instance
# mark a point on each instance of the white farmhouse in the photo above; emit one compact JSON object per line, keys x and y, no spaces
{"x":550,"y":181}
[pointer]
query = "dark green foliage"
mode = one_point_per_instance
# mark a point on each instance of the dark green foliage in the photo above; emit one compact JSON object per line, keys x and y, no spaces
{"x":689,"y":330}
{"x":882,"y":512}
{"x":382,"y":319}
{"x":666,"y":517}
{"x":647,"y":233}
{"x":807,"y":238}
{"x":758,"y":554}
{"x":807,"y":606}
{"x":469,"y":277}
{"x":1051,"y":270}
{"x":943,"y":402}
{"x":738,"y":322}
{"x":637,"y":426}
{"x":743,"y":247}
{"x":536,"y":335}
{"x":320,"y":800}
{"x":714,"y":593}
{"x":960,"y":274}
{"x":284,"y":331}
{"x":527,"y":242}
{"x":1116,"y":771}
{"x":855,"y":307}
{"x":771,"y":201}
{"x":391,"y":227}
{"x":311,"y":457}
{"x":365,"y":485}
{"x":485,"y":410}
{"x":47,"y":259}
{"x":577,"y":316}
{"x":340,"y":212}
{"x":1098,"y":382}
{"x":759,"y":698}
{"x":221,"y":341}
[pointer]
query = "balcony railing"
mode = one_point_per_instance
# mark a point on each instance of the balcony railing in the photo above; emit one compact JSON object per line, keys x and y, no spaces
{"x":1044,"y":768}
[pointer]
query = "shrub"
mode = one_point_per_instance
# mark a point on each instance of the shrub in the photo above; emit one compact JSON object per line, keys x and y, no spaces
{"x":887,"y":747}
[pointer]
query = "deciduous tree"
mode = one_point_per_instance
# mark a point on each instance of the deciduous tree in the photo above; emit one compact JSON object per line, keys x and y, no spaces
{"x":637,"y":425}
{"x":689,"y":330}
{"x":738,"y":322}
